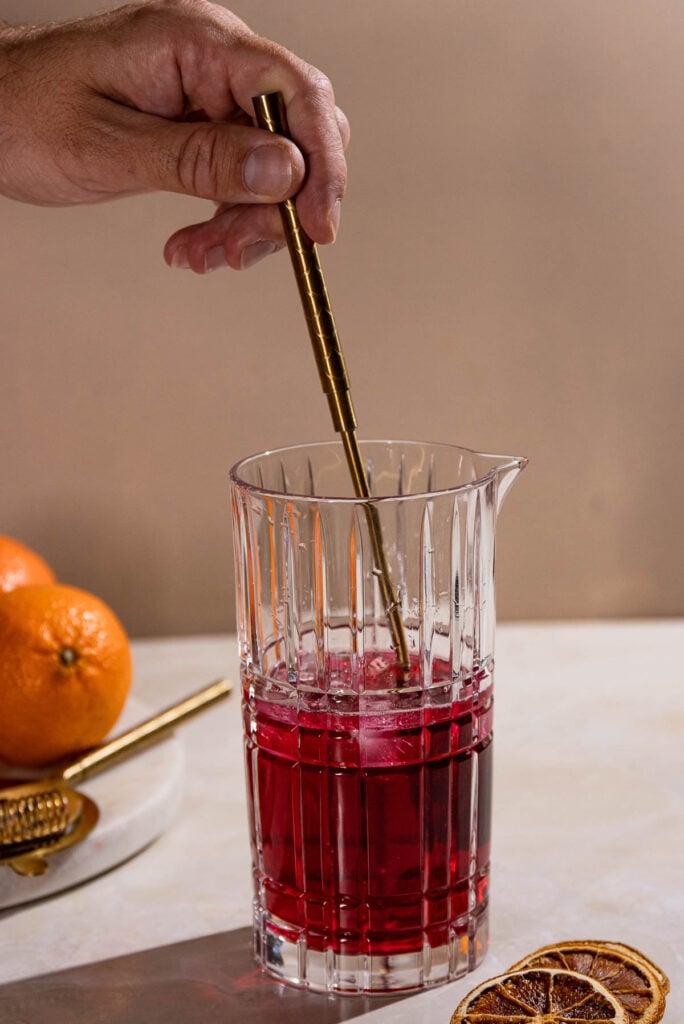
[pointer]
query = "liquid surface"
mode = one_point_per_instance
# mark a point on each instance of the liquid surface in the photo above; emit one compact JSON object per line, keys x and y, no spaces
{"x":370,"y":828}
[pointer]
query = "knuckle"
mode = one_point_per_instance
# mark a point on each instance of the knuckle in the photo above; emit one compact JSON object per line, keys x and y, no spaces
{"x":319,"y":86}
{"x":315,"y":94}
{"x":204,"y":163}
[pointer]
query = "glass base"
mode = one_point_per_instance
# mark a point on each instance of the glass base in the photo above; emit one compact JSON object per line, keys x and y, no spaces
{"x":291,"y":961}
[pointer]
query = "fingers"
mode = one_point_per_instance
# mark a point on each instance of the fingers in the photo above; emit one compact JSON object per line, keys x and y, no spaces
{"x":232,"y":164}
{"x":236,"y":236}
{"x":319,"y":128}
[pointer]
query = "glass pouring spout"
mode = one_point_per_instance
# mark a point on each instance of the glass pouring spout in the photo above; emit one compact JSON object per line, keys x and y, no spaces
{"x":504,"y":468}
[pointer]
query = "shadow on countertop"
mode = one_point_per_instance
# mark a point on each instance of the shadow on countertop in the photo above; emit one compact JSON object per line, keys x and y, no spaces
{"x":210,"y":980}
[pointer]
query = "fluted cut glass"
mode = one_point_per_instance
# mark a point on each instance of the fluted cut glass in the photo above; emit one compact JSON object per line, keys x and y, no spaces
{"x":369,"y":786}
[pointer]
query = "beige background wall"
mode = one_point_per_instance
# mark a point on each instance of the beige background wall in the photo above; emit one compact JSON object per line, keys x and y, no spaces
{"x":508,"y":276}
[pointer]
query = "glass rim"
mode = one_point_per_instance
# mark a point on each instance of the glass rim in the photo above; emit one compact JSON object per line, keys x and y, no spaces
{"x":501,"y":463}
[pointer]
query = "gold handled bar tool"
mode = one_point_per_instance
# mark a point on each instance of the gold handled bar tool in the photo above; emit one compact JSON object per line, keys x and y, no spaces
{"x":46,"y":815}
{"x":270,"y":113}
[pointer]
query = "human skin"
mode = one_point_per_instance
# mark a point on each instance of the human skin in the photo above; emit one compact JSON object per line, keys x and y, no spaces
{"x":158,"y":96}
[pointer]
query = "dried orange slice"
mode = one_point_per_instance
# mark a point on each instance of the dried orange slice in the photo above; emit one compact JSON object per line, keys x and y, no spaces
{"x":627,"y":974}
{"x":539,"y":996}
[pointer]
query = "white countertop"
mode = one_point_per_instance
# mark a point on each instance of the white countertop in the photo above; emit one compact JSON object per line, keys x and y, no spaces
{"x":588,"y":830}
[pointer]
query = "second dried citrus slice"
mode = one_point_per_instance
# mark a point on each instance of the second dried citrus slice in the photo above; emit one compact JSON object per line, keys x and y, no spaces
{"x":539,"y":996}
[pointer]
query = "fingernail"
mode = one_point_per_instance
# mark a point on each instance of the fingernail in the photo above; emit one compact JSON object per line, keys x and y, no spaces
{"x":214,"y":259}
{"x":335,"y":214}
{"x":268,"y":171}
{"x":180,"y":258}
{"x":253,"y":253}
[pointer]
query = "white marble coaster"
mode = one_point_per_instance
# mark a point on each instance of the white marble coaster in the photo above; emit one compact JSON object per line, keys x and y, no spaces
{"x":137,"y":799}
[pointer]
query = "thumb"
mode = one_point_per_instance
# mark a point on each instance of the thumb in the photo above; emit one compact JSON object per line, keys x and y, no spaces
{"x":212,"y":160}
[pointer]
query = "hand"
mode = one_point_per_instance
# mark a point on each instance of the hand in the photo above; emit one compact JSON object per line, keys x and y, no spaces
{"x":157,"y":96}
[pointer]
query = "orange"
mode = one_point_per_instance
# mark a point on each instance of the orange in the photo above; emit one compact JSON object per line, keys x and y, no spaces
{"x":539,"y":996}
{"x":66,"y":673}
{"x":20,"y":566}
{"x":637,"y":984}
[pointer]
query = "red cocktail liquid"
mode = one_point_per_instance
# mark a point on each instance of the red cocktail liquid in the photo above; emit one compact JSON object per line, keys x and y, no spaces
{"x":370,"y":813}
